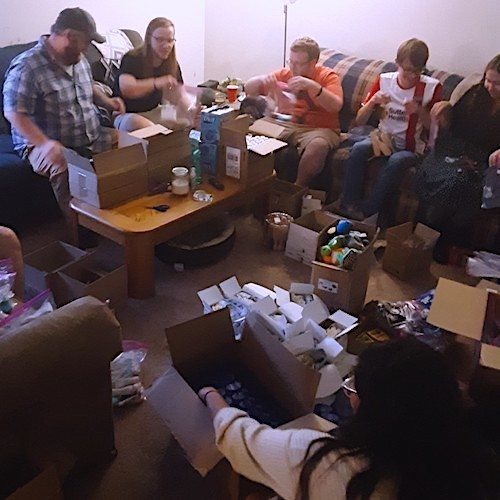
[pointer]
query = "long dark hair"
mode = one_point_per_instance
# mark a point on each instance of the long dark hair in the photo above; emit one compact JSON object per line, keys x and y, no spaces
{"x":409,"y":428}
{"x":146,"y":50}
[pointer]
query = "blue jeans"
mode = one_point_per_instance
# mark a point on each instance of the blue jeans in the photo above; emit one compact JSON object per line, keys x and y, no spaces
{"x":388,"y":180}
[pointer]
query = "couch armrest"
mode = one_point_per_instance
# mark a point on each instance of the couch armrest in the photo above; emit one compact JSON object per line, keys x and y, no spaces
{"x":56,"y":385}
{"x":57,"y":352}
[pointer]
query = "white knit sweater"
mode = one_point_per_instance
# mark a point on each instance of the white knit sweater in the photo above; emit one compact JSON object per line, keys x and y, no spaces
{"x":275,"y":458}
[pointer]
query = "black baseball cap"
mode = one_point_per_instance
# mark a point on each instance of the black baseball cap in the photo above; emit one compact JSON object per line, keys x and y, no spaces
{"x":79,"y":20}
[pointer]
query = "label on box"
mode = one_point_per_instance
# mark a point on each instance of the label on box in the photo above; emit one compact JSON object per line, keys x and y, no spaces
{"x":233,"y":162}
{"x":328,"y":286}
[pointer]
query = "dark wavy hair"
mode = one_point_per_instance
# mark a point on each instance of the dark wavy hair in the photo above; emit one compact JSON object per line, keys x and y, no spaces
{"x":146,"y":49}
{"x":410,"y":428}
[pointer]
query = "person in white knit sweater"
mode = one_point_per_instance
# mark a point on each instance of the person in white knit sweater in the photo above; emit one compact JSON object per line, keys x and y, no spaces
{"x":407,"y":439}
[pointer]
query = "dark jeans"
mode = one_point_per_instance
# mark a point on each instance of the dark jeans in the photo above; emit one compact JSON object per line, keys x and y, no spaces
{"x":388,"y":180}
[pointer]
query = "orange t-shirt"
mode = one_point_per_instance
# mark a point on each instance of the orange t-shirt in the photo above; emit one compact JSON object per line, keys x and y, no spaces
{"x":307,"y":111}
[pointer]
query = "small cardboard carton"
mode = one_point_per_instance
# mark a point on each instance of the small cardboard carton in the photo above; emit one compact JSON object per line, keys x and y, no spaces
{"x":165,"y":149}
{"x":111,"y":177}
{"x":235,"y":160}
{"x":205,"y":343}
{"x":409,"y":252}
{"x":469,"y":312}
{"x":312,"y":200}
{"x":341,"y":288}
{"x":286,"y":197}
{"x":97,"y":275}
{"x":45,"y":484}
{"x":211,"y":120}
{"x":41,"y":265}
{"x":302,"y":240}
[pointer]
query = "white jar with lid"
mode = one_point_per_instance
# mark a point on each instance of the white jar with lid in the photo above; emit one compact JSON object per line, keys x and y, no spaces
{"x":180,"y":181}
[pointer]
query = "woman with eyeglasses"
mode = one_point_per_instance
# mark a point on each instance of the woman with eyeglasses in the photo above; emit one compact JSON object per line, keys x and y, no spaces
{"x":461,"y":175}
{"x":149,"y":75}
{"x":407,"y":438}
{"x":403,"y":100}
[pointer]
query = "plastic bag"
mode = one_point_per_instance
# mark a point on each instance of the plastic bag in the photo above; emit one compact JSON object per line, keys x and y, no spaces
{"x":22,"y":314}
{"x":7,"y":278}
{"x":127,"y":387}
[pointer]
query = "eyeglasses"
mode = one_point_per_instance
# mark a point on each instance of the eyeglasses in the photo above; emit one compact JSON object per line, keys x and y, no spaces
{"x":349,"y":386}
{"x":298,"y":64}
{"x":164,"y":41}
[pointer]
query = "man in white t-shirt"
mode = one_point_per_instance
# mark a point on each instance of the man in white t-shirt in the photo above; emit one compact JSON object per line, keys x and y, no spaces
{"x":406,"y":97}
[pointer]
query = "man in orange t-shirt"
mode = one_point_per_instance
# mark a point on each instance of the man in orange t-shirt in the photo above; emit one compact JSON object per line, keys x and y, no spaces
{"x":312,"y":97}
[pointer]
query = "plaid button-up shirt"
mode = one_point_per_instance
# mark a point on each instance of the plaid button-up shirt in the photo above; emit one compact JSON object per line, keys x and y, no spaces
{"x":59,"y":103}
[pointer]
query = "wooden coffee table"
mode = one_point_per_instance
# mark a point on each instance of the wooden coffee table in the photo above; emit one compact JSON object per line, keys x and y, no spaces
{"x":139,"y":228}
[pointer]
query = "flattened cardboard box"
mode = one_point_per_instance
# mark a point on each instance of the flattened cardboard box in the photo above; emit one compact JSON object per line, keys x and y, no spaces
{"x":403,"y":260}
{"x":207,"y":342}
{"x":234,"y":158}
{"x":303,"y":235}
{"x":340,"y":288}
{"x":41,"y":265}
{"x":111,"y":177}
{"x":95,"y":275}
{"x":471,"y":312}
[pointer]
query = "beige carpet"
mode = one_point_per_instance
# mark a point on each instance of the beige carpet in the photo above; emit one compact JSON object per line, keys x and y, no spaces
{"x":149,"y":463}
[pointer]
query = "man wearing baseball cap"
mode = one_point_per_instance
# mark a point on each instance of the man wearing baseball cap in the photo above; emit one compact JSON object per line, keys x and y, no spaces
{"x":50,"y":100}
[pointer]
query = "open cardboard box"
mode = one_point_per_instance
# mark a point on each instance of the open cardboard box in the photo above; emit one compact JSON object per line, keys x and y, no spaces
{"x":235,"y":160}
{"x":111,"y":177}
{"x":205,"y":343}
{"x":166,"y":148}
{"x":312,"y":200}
{"x":409,"y":251}
{"x":41,"y":265}
{"x":97,"y":275}
{"x":341,"y":288}
{"x":469,"y":312}
{"x":302,"y":240}
{"x":286,"y":197}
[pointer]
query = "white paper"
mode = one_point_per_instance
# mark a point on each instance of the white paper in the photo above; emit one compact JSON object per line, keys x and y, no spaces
{"x":331,"y":347}
{"x":144,"y":133}
{"x":330,"y":381}
{"x":233,"y":162}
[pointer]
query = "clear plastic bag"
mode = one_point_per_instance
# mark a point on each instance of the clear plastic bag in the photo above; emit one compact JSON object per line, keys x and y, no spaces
{"x":127,"y":387}
{"x":22,"y":314}
{"x":7,"y":278}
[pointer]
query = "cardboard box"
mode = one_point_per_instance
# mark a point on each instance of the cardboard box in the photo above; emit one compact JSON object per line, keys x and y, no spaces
{"x":303,"y":233}
{"x":209,"y":154}
{"x":409,"y":252}
{"x":45,"y":485}
{"x":111,"y":177}
{"x":211,"y":120}
{"x":469,"y":312}
{"x":235,"y":160}
{"x":340,"y":288}
{"x":41,"y":265}
{"x":96,"y":275}
{"x":165,"y":149}
{"x":312,"y":200}
{"x":286,"y":197}
{"x":205,"y":343}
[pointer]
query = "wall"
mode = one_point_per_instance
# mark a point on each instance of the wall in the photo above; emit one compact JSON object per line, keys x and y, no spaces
{"x":26,"y":20}
{"x":462,"y":35}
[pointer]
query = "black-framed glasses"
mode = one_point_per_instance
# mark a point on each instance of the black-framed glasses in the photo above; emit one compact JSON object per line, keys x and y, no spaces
{"x":164,"y":41}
